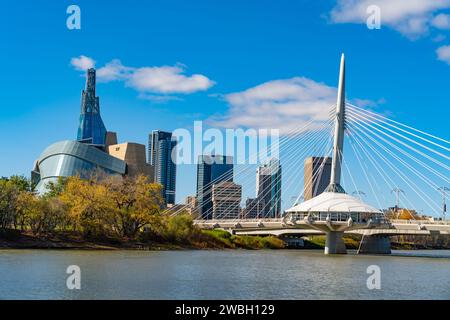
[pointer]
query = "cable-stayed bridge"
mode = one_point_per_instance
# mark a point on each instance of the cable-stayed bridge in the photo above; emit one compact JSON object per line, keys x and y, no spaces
{"x":383,"y":157}
{"x":375,"y":238}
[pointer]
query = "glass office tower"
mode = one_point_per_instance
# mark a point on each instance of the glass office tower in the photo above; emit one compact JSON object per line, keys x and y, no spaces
{"x":160,"y":148}
{"x":211,"y":170}
{"x":268,"y":188}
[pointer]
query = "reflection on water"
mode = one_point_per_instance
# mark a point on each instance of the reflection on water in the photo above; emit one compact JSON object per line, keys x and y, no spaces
{"x":233,"y":274}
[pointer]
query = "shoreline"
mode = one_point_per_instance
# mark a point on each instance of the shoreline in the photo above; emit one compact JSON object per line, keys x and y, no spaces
{"x":202,"y":240}
{"x":27,"y":242}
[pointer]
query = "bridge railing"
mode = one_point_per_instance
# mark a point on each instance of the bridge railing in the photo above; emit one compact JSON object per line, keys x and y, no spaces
{"x":338,"y":217}
{"x":401,"y":221}
{"x":212,"y":221}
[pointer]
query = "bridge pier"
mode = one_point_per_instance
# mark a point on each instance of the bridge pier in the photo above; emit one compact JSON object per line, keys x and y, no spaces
{"x":376,"y":244}
{"x":334,"y":244}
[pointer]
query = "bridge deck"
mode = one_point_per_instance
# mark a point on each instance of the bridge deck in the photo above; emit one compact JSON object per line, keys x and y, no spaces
{"x":279,"y":227}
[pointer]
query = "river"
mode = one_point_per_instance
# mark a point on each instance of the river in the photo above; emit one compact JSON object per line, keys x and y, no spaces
{"x":227,"y":274}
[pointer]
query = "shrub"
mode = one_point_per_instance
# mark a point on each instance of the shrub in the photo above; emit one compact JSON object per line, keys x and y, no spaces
{"x":272,"y":243}
{"x":221,"y":237}
{"x":179,"y":229}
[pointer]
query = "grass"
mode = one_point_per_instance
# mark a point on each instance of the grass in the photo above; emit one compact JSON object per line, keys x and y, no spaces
{"x":228,"y":240}
{"x":318,"y":242}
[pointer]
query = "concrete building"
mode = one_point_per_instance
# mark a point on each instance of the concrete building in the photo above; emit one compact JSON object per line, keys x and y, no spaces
{"x":111,"y":138}
{"x":226,"y":200}
{"x":268,"y":187}
{"x":161,"y":146}
{"x":134,"y":156}
{"x":192,"y":204}
{"x":95,"y":149}
{"x":177,"y":209}
{"x":254,"y":208}
{"x":211,"y":170}
{"x":317,"y":173}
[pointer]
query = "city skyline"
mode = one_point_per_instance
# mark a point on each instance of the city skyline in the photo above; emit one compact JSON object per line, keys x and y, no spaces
{"x":214,"y":159}
{"x":374,"y":79}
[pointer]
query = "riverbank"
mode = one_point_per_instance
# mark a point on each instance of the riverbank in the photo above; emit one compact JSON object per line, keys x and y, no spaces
{"x":206,"y":239}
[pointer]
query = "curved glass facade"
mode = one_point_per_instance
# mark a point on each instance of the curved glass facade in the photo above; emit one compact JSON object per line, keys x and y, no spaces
{"x":71,"y":158}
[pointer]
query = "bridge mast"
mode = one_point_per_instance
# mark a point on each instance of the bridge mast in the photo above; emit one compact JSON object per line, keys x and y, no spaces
{"x":338,"y":145}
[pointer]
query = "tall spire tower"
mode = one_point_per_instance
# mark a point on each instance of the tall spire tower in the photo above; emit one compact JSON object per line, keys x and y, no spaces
{"x":91,"y":129}
{"x":338,"y":145}
{"x":333,"y":211}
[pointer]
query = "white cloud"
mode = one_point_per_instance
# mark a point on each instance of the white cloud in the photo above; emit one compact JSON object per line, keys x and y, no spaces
{"x":285,"y":104}
{"x":439,"y":38}
{"x":443,"y":54}
{"x":365,"y":103}
{"x":162,"y":81}
{"x":412,"y":18}
{"x":113,"y":70}
{"x":82,"y":63}
{"x":441,"y":21}
{"x":167,"y":79}
{"x":159,"y":99}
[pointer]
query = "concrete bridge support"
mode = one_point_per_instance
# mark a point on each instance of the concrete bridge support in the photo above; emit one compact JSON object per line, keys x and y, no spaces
{"x":376,"y":244}
{"x":334,"y":243}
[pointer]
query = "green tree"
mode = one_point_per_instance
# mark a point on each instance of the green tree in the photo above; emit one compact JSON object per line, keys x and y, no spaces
{"x":179,"y":228}
{"x":55,"y":189}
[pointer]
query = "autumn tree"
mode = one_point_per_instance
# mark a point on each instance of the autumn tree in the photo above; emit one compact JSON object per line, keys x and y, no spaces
{"x":89,"y":205}
{"x":9,"y":192}
{"x":137,"y":204}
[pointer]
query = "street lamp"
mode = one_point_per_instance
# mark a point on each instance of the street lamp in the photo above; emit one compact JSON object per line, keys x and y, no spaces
{"x":444,"y":206}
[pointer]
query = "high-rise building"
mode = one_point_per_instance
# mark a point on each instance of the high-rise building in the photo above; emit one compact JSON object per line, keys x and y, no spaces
{"x":226,"y":200}
{"x":211,"y":169}
{"x":317,"y":173}
{"x":268,"y":188}
{"x":192,"y":205}
{"x":91,"y":128}
{"x":253,"y":208}
{"x":160,"y":155}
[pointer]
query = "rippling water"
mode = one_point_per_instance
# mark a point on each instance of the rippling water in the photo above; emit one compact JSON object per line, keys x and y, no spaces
{"x":233,"y":274}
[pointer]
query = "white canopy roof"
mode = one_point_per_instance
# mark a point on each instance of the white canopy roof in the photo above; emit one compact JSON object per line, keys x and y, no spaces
{"x":333,"y":202}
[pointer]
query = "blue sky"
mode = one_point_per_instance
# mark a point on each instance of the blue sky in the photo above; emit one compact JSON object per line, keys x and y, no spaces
{"x":234,"y":46}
